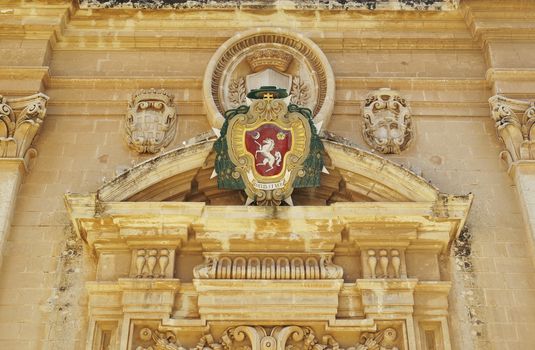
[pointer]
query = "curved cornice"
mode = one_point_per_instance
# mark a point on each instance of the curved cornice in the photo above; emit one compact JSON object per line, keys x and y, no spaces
{"x":365,"y":173}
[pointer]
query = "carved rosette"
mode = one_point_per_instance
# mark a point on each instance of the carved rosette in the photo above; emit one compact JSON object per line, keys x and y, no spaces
{"x":514,"y":122}
{"x":20,"y":120}
{"x":278,"y":337}
{"x":387,"y":125}
{"x":150,"y":121}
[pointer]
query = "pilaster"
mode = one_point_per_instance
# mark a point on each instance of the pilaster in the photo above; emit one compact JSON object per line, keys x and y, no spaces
{"x":20,"y":119}
{"x":514,"y":125}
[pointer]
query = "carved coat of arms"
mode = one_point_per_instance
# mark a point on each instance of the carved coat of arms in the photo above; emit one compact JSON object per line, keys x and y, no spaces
{"x":150,"y":121}
{"x":268,"y":149}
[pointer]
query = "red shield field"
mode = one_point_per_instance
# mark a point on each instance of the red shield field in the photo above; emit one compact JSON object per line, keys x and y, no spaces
{"x":268,"y":144}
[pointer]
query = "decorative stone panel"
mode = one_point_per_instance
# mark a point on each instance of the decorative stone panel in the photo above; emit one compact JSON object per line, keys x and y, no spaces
{"x":20,"y":120}
{"x":387,"y":125}
{"x":272,"y":338}
{"x":150,"y":121}
{"x":514,"y":120}
{"x":268,"y":267}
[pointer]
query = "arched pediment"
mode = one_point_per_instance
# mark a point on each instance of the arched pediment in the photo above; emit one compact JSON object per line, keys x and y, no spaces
{"x":184,"y":174}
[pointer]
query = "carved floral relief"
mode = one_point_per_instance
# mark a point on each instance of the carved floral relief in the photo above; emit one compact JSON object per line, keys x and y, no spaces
{"x":387,"y":125}
{"x":275,"y":338}
{"x":150,"y":121}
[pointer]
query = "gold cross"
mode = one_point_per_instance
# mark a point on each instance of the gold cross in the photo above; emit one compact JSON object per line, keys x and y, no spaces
{"x":268,"y":96}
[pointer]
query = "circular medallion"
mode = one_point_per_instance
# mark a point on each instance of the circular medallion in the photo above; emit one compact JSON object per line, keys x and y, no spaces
{"x":268,"y":57}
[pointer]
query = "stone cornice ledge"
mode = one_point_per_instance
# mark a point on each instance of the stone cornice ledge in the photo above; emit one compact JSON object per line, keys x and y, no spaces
{"x":411,"y":5}
{"x":116,"y":225}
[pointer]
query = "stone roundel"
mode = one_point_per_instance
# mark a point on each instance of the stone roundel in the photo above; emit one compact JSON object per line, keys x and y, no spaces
{"x":297,"y":64}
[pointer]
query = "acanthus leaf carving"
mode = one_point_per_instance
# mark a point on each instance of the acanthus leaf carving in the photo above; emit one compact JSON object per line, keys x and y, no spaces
{"x":151,"y":121}
{"x":20,"y":120}
{"x":161,"y":340}
{"x":514,"y":120}
{"x":237,"y":92}
{"x":387,"y":124}
{"x":291,"y":337}
{"x":300,"y":92}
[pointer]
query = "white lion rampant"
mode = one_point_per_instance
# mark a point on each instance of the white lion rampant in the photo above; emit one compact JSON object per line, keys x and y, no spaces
{"x":265,"y":150}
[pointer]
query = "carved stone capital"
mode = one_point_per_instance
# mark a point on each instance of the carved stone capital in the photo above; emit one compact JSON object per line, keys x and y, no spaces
{"x":387,"y":125}
{"x":514,"y":120}
{"x":150,"y":121}
{"x":20,"y":119}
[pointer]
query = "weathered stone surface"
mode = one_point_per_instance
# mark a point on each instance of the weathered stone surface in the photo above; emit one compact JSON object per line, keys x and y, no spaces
{"x":447,"y":64}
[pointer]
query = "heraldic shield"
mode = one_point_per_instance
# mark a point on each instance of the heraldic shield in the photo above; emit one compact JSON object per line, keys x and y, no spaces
{"x":271,"y":148}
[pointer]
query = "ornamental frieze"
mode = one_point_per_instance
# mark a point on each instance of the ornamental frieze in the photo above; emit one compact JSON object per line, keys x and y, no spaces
{"x":416,"y":5}
{"x":270,"y":338}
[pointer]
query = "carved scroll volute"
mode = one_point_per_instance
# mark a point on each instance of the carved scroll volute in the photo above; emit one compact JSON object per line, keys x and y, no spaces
{"x":151,"y":120}
{"x":268,"y":267}
{"x":387,"y":125}
{"x":279,"y":338}
{"x":514,"y":122}
{"x":255,"y":335}
{"x":207,"y":269}
{"x":20,"y":120}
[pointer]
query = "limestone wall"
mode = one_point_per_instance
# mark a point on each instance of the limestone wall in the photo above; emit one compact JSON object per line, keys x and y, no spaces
{"x":89,"y":62}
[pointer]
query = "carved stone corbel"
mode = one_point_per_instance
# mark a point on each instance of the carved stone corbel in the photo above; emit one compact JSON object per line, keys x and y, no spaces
{"x":150,"y":121}
{"x":20,"y":119}
{"x":387,"y":125}
{"x":514,"y":120}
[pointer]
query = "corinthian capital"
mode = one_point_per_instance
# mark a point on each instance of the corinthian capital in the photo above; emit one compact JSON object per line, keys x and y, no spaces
{"x":514,"y":125}
{"x":20,"y":119}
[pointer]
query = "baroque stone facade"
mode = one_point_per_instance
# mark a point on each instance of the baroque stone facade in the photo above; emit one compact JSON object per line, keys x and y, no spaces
{"x":363,"y":244}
